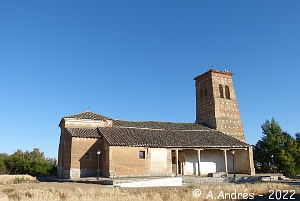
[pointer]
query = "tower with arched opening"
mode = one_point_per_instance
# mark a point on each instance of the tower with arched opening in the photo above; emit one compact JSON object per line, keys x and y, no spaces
{"x":218,"y":106}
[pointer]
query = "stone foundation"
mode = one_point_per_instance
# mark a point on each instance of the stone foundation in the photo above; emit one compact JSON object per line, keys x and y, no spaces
{"x":76,"y":173}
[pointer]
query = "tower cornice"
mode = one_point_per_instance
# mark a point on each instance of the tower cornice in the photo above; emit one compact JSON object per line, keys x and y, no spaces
{"x":211,"y":71}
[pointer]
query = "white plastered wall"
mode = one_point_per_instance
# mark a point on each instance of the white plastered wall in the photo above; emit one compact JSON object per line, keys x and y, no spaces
{"x":160,"y":161}
{"x":211,"y":160}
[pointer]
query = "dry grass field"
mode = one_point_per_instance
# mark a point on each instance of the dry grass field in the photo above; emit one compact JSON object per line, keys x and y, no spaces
{"x":10,"y":179}
{"x":78,"y":191}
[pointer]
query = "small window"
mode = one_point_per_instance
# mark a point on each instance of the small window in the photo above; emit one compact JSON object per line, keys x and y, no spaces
{"x":86,"y":155}
{"x":227,"y":92}
{"x":201,"y":96}
{"x":205,"y":91}
{"x":142,"y":155}
{"x":221,"y":91}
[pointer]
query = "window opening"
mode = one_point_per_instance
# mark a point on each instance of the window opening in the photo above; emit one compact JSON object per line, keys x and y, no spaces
{"x":86,"y":155}
{"x":142,"y":155}
{"x":227,"y":92}
{"x":221,"y":91}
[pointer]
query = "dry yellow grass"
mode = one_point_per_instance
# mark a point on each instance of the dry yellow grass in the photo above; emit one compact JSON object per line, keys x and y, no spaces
{"x":10,"y":179}
{"x":78,"y":191}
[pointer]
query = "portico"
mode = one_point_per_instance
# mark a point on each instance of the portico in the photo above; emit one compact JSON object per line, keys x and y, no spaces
{"x":201,"y":161}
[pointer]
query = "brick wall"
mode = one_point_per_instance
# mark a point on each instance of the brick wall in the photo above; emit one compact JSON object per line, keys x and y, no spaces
{"x":124,"y":161}
{"x":77,"y":157}
{"x":64,"y":154}
{"x":220,"y":111}
{"x":104,"y":159}
{"x":84,"y":156}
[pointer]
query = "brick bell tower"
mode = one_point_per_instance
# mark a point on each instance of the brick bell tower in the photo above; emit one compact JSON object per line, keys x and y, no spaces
{"x":216,"y":103}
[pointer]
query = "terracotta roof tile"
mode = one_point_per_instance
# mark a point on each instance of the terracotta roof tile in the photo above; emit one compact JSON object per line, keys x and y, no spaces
{"x":159,"y":125}
{"x":88,"y":115}
{"x":155,"y":134}
{"x":83,"y":132}
{"x":117,"y":136}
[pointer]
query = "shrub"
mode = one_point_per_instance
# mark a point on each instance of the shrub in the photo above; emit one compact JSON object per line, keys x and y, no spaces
{"x":19,"y":180}
{"x":33,"y":163}
{"x":2,"y":167}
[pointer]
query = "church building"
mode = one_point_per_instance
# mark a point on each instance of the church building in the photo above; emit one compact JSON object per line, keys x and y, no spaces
{"x":92,"y":144}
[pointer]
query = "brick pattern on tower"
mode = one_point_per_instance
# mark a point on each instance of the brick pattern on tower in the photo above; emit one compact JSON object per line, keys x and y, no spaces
{"x":216,"y":103}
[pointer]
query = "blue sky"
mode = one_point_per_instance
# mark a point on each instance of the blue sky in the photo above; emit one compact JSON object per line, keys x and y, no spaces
{"x":136,"y":60}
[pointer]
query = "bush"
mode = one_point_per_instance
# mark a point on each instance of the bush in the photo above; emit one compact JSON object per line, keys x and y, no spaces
{"x":2,"y":167}
{"x":33,"y":163}
{"x":39,"y":168}
{"x":19,"y":180}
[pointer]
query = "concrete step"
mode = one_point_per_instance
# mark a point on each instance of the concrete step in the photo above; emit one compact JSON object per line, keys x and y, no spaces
{"x":192,"y":180}
{"x":245,"y":179}
{"x":273,"y":178}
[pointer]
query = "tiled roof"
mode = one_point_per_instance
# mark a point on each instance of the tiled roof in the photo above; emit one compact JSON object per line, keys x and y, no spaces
{"x":155,"y":134}
{"x":83,"y":132}
{"x":88,"y":115}
{"x":159,"y":125}
{"x":117,"y":136}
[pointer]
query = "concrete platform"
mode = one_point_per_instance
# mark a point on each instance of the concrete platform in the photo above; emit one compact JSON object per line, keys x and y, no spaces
{"x":175,"y":181}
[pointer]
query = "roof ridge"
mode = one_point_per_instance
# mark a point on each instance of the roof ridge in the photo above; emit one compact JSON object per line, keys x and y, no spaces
{"x":80,"y":113}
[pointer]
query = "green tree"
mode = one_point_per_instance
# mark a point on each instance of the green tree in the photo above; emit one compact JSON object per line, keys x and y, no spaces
{"x":273,"y":136}
{"x":3,"y":170}
{"x":33,"y":163}
{"x":276,"y":150}
{"x":289,"y":158}
{"x":16,"y":164}
{"x":287,"y":164}
{"x":19,"y":152}
{"x":34,"y":155}
{"x":297,"y":135}
{"x":269,"y":145}
{"x":39,"y":167}
{"x":2,"y":167}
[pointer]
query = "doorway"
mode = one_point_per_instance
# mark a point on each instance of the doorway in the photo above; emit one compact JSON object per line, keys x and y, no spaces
{"x":174,"y":166}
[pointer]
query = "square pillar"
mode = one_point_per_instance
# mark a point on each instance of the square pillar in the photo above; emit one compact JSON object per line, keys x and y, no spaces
{"x":176,"y":158}
{"x":199,"y":160}
{"x":225,"y":160}
{"x":251,"y":163}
